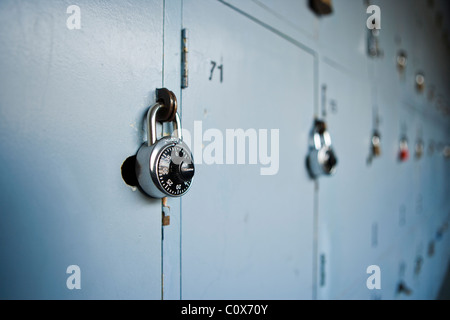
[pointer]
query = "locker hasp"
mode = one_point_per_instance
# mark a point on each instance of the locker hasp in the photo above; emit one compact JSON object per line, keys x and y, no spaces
{"x":168,"y":99}
{"x":321,"y":7}
{"x":402,"y":60}
{"x":419,"y":149}
{"x":420,"y":82}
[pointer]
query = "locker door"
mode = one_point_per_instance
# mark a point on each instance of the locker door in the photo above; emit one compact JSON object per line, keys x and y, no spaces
{"x":72,"y":104}
{"x":345,"y":44}
{"x":344,"y":246}
{"x":246,"y":235}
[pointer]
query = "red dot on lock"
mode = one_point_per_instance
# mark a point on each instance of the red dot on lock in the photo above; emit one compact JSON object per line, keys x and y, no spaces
{"x":404,"y":150}
{"x":404,"y":155}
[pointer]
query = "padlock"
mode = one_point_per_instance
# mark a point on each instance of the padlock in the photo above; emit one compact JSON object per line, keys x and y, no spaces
{"x":321,"y":159}
{"x":419,"y":149}
{"x":376,"y":144}
{"x":420,"y":82}
{"x":164,"y":167}
{"x":402,"y":60}
{"x":446,"y":152}
{"x":404,"y":150}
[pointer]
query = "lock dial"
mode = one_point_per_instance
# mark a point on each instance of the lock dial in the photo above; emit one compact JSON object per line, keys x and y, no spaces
{"x":175,"y":170}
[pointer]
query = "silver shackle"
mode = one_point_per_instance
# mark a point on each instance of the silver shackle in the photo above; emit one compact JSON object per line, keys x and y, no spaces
{"x":151,"y":124}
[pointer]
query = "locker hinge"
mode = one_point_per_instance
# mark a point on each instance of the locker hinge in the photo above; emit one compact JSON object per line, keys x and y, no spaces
{"x":184,"y":59}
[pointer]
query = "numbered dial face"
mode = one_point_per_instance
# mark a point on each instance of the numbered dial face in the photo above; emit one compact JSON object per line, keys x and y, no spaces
{"x":175,"y":170}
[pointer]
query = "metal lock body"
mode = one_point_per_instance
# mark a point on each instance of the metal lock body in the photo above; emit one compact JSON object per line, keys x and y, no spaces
{"x":164,"y":167}
{"x":420,"y":82}
{"x":376,"y":144}
{"x":402,"y":59}
{"x":404,"y":150}
{"x":419,"y":149}
{"x":321,"y":158}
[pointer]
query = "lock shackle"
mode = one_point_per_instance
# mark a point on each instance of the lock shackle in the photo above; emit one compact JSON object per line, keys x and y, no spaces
{"x":151,"y":124}
{"x":404,"y":143}
{"x":322,"y":140}
{"x":321,"y":137}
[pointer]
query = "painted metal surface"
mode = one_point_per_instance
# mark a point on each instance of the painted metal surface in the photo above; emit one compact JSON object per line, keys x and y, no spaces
{"x":171,"y":245}
{"x":343,"y":223}
{"x":243,"y":236}
{"x":72,"y":107}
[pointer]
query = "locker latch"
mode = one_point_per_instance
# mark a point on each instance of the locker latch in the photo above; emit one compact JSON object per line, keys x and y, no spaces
{"x":419,"y":149}
{"x":376,"y":144}
{"x":321,"y":7}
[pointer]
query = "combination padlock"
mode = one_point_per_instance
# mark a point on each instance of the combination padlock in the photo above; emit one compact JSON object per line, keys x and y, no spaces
{"x":404,"y":150}
{"x":321,"y":158}
{"x":420,"y":82}
{"x":164,"y":167}
{"x":376,"y":144}
{"x":419,"y":149}
{"x":402,"y":59}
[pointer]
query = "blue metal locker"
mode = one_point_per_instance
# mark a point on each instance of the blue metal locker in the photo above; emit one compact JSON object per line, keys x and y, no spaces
{"x":250,"y":76}
{"x":243,"y":234}
{"x":72,"y":106}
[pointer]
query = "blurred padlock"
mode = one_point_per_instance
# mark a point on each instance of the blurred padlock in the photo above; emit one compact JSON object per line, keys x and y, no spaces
{"x":404,"y":150}
{"x":447,"y":152}
{"x":376,"y":144}
{"x":420,"y":82}
{"x":419,"y":149}
{"x":401,"y":61}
